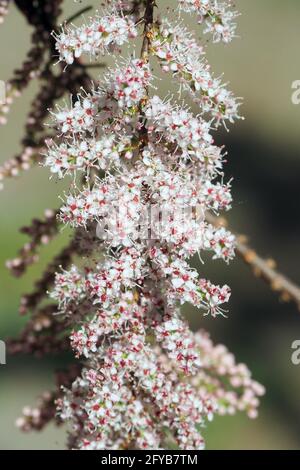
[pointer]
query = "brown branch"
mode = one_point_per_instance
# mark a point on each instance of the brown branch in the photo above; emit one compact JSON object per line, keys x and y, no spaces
{"x":263,"y":268}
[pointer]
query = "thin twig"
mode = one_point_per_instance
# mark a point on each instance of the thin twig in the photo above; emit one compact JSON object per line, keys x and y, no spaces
{"x":263,"y":268}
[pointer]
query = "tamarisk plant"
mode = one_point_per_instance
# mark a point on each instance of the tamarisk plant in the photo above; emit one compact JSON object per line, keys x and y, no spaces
{"x":145,"y":173}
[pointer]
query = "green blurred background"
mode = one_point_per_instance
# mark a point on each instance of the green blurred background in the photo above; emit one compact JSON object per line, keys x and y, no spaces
{"x":264,"y":160}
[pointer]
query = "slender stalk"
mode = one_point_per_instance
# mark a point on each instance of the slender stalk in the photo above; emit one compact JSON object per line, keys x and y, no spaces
{"x":262,"y":268}
{"x":148,"y":21}
{"x":78,"y":13}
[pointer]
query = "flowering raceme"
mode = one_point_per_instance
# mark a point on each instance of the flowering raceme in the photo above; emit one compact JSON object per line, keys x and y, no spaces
{"x":145,"y":172}
{"x":3,"y":9}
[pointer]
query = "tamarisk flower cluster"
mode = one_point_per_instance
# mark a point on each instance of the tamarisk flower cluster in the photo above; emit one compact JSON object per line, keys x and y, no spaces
{"x":41,"y":232}
{"x":42,"y":16}
{"x":145,"y":172}
{"x":104,"y":33}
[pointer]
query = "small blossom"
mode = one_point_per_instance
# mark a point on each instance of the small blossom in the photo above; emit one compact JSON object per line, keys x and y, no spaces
{"x":103,"y":153}
{"x":231,"y":384}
